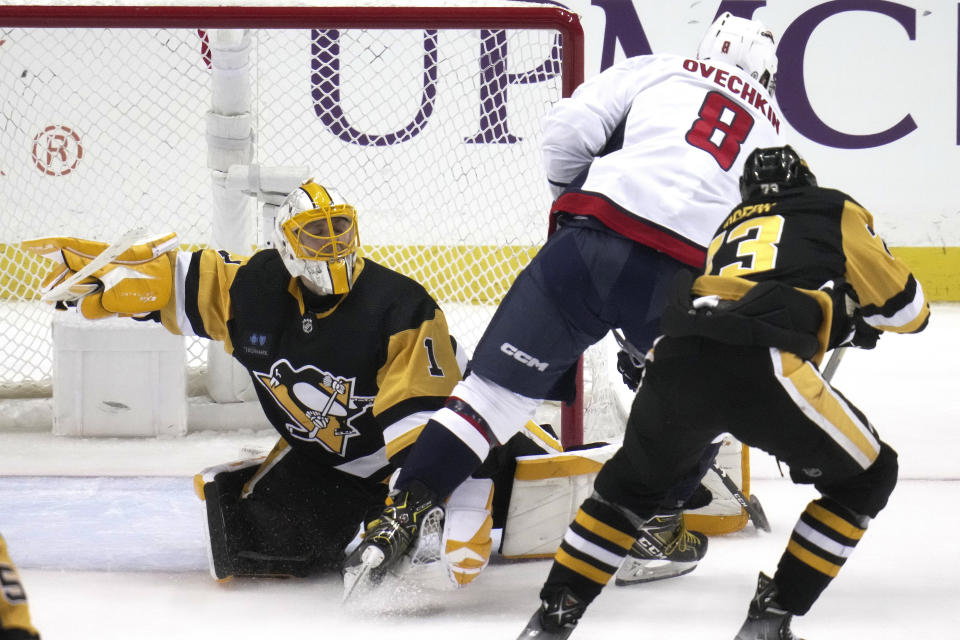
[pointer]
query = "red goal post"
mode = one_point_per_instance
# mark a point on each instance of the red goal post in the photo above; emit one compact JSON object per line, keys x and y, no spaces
{"x":426,"y":117}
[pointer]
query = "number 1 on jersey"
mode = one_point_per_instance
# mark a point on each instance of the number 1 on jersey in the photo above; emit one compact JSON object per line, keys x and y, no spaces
{"x":435,"y":370}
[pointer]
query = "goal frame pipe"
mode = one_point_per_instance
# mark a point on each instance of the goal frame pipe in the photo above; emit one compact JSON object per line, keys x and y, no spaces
{"x":227,"y":17}
{"x":238,"y":17}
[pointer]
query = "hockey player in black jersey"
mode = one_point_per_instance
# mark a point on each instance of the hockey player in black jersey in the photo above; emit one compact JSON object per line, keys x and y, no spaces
{"x":15,"y":621}
{"x":795,"y":270}
{"x":348,"y":359}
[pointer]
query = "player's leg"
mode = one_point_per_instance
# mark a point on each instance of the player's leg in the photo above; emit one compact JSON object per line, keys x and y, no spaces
{"x":526,"y":353}
{"x":564,"y":301}
{"x":663,"y":447}
{"x":827,"y":442}
{"x":582,"y":283}
{"x":15,"y":621}
{"x":664,"y":547}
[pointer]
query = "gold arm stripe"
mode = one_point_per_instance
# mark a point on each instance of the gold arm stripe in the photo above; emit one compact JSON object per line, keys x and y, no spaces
{"x":813,"y":560}
{"x":876,"y":275}
{"x":835,"y":522}
{"x":824,"y":407}
{"x":409,"y":372}
{"x":213,"y":293}
{"x":605,"y":531}
{"x":583,"y":568}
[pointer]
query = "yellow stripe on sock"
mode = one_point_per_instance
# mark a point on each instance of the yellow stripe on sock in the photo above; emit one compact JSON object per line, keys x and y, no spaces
{"x":605,"y":531}
{"x":813,"y":560}
{"x":579,"y":566}
{"x":835,"y":522}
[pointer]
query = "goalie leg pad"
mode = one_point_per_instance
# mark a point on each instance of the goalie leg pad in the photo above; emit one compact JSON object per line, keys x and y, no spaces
{"x":547,"y":491}
{"x":724,"y":514}
{"x":466,"y":540}
{"x":284,"y":515}
{"x":219,"y":488}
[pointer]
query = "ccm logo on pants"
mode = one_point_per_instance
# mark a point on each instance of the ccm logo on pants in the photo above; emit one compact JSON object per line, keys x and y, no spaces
{"x":522,"y":357}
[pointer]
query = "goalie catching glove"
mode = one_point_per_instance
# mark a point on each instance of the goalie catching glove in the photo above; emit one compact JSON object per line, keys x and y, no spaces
{"x":136,"y":282}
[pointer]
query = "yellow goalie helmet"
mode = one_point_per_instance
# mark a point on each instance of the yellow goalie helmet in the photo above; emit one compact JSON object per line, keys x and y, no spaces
{"x":316,"y":235}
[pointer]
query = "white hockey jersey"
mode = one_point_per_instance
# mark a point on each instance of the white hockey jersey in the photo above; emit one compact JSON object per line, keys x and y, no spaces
{"x":654,"y":148}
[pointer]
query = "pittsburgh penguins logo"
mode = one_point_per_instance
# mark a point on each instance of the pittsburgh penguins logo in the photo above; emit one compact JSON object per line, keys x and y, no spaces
{"x":321,"y":405}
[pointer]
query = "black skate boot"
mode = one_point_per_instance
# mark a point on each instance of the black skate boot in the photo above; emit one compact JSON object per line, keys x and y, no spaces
{"x":556,"y":618}
{"x":766,"y":619}
{"x":388,"y":537}
{"x":664,"y":549}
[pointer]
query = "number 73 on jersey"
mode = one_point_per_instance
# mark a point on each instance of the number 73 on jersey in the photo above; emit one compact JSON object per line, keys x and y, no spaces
{"x":747,"y":247}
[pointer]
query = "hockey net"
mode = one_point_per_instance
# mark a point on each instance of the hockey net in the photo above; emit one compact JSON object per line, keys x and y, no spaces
{"x":427,"y":119}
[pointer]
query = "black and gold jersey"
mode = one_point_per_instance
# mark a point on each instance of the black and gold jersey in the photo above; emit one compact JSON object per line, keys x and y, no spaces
{"x":807,"y":237}
{"x":349,"y":379}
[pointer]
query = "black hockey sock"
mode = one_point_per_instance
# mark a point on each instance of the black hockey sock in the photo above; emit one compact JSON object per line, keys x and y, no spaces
{"x":439,"y":460}
{"x":592,"y":549}
{"x":821,"y":542}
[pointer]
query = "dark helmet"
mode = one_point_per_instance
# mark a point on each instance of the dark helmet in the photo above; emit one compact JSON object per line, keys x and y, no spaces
{"x":769,"y":171}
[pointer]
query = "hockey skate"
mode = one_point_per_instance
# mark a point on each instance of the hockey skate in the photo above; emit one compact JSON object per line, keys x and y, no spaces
{"x":766,"y":619}
{"x":664,"y":549}
{"x":556,"y":618}
{"x":389,"y":538}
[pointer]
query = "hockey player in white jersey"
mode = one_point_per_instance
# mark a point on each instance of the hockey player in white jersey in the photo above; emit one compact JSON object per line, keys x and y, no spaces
{"x":645,"y":159}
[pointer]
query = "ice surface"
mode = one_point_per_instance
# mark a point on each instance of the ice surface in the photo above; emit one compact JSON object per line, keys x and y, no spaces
{"x":107,"y":534}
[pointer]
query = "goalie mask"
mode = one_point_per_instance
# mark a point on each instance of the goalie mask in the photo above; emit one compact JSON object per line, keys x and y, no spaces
{"x":745,"y":43}
{"x":316,"y":235}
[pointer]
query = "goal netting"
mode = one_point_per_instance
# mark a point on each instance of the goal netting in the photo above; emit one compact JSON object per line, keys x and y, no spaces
{"x":427,"y":119}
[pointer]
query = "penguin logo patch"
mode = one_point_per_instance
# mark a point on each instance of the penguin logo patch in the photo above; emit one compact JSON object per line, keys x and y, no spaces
{"x":320,"y":405}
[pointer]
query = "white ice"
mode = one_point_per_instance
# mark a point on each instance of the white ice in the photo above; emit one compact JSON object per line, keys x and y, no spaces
{"x":107,"y":535}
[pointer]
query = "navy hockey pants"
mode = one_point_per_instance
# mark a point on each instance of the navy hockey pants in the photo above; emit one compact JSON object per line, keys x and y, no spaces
{"x":585,"y":281}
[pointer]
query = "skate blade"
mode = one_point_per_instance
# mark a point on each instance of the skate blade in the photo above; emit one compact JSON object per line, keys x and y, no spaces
{"x":640,"y":573}
{"x":363,"y":577}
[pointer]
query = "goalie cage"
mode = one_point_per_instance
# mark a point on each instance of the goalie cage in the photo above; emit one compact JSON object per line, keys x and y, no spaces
{"x":418,"y":114}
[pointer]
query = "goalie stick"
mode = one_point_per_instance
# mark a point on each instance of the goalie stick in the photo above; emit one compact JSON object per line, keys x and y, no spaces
{"x":752,"y":504}
{"x":62,"y":292}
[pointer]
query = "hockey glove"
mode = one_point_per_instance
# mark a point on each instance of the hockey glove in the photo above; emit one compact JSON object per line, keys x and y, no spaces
{"x":861,"y":334}
{"x":631,"y":369}
{"x":136,"y":282}
{"x":849,"y":327}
